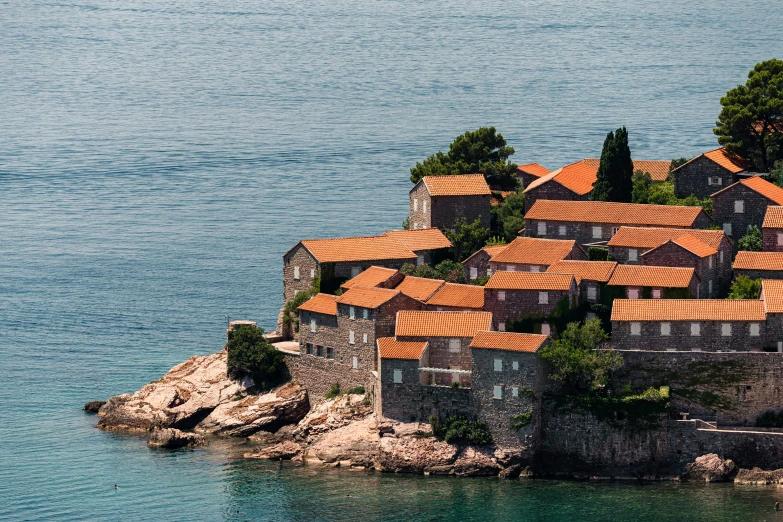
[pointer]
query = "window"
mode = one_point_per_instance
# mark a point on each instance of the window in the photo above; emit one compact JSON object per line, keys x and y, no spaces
{"x":439,"y":309}
{"x":296,"y":273}
{"x":355,"y":363}
{"x":711,"y":260}
{"x":398,"y":376}
{"x":319,"y":351}
{"x":561,"y":230}
{"x":329,"y":353}
{"x":454,"y":345}
{"x":351,"y":312}
{"x":415,"y":226}
{"x":545,"y":330}
{"x":592,"y":293}
{"x":754,"y":329}
{"x":351,"y":337}
{"x":666,"y":329}
{"x":473,"y":272}
{"x":498,"y":365}
{"x":312,"y":325}
{"x":502,"y":327}
{"x":633,"y":293}
{"x":415,"y":205}
{"x":309,"y":349}
{"x":541,"y":228}
{"x":419,"y":260}
{"x":721,"y":255}
{"x":636,"y":328}
{"x":515,"y":391}
{"x":615,"y":230}
{"x":656,"y":293}
{"x":709,"y":287}
{"x":543,"y":297}
{"x":515,"y":365}
{"x":780,"y":239}
{"x":698,"y":290}
{"x":365,"y":313}
{"x":597,"y":233}
{"x":695,"y":329}
{"x":725,"y":329}
{"x":355,"y":271}
{"x":727,"y":228}
{"x":714,"y":180}
{"x":501,"y":295}
{"x":424,"y":206}
{"x":497,"y":392}
{"x":511,"y":268}
{"x":739,"y":207}
{"x":535,"y":268}
{"x":633,"y":254}
{"x":364,"y":338}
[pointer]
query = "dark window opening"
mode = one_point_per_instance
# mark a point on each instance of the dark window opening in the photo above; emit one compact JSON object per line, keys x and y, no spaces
{"x":330,"y":353}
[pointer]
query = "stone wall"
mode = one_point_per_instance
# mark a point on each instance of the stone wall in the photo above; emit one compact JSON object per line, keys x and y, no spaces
{"x":551,"y":190}
{"x":447,"y":209}
{"x":680,"y":338}
{"x":715,"y":268}
{"x":759,"y":274}
{"x":723,"y":209}
{"x":440,"y":356}
{"x":693,"y":178}
{"x":519,"y":304}
{"x":479,"y":261}
{"x":418,"y":218}
{"x":770,"y":239}
{"x":309,"y":269}
{"x":318,"y":374}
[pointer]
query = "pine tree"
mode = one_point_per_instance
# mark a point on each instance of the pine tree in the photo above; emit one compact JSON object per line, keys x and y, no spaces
{"x":615,"y":172}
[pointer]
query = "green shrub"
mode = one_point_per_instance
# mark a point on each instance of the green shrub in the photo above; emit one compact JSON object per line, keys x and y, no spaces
{"x":460,"y":430}
{"x":745,"y":288}
{"x":770,"y":419}
{"x":598,"y":254}
{"x":334,"y":391}
{"x":642,"y":410}
{"x":251,"y":355}
{"x":751,"y":241}
{"x":358,"y":390}
{"x":520,"y":421}
{"x":481,"y":281}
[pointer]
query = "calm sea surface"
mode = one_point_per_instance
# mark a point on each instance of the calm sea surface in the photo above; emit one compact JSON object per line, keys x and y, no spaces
{"x":157,"y":158}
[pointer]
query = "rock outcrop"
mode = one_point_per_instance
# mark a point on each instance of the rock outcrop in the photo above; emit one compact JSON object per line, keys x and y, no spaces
{"x":171,"y":438}
{"x":284,"y":450}
{"x":710,"y":468}
{"x":93,"y":406}
{"x":758,"y":477}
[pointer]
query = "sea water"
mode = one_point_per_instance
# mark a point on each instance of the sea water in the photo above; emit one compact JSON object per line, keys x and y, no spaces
{"x":157,"y":158}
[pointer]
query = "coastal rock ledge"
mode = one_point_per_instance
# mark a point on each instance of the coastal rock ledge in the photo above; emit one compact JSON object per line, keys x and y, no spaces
{"x":171,"y":438}
{"x":710,"y":468}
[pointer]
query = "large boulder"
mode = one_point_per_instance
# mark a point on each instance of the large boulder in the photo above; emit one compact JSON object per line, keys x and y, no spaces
{"x":284,"y":450}
{"x":93,"y":406}
{"x":171,"y":438}
{"x":355,"y":444}
{"x":758,"y":477}
{"x":710,"y":468}
{"x":416,"y":454}
{"x":476,"y":462}
{"x":332,"y":414}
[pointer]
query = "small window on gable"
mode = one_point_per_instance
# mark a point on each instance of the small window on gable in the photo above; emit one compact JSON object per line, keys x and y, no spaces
{"x":515,"y":391}
{"x":501,"y":326}
{"x":721,"y":253}
{"x":727,"y":229}
{"x":364,"y":338}
{"x":398,"y":376}
{"x":474,"y":272}
{"x":454,"y":345}
{"x":497,"y":392}
{"x":592,"y":293}
{"x":541,"y":229}
{"x":666,"y":329}
{"x":633,"y":254}
{"x":424,"y":206}
{"x":365,"y":313}
{"x":656,"y":293}
{"x":351,"y":337}
{"x":296,"y":273}
{"x":312,"y":325}
{"x":754,"y":329}
{"x":543,"y":297}
{"x":351,"y":312}
{"x":636,"y":328}
{"x":695,"y":329}
{"x":597,"y":233}
{"x":415,"y":205}
{"x":714,"y":180}
{"x":739,"y":207}
{"x":515,"y":365}
{"x":501,"y":295}
{"x":725,"y":329}
{"x":561,"y":230}
{"x":498,"y":365}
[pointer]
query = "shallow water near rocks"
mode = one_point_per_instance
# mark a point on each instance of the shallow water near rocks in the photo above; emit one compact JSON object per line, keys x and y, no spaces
{"x":157,"y":158}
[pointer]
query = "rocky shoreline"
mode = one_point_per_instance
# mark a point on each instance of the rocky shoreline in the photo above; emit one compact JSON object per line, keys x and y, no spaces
{"x":341,"y":432}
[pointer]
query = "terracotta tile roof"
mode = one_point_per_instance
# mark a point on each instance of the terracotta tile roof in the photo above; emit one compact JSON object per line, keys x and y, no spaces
{"x":761,"y":186}
{"x":512,"y":342}
{"x":346,"y":249}
{"x":422,"y":239}
{"x":458,"y":296}
{"x":502,"y":280}
{"x":415,"y":323}
{"x":489,"y":250}
{"x":461,"y":185}
{"x":419,"y":287}
{"x":614,"y":213}
{"x":389,"y":348}
{"x":578,"y":177}
{"x":658,"y":169}
{"x":692,"y":244}
{"x":534,"y":169}
{"x":772,"y":294}
{"x":591,"y":270}
{"x":758,"y":261}
{"x":321,"y":303}
{"x":774,"y":217}
{"x":688,"y":310}
{"x":650,"y":237}
{"x":366,"y":297}
{"x":652,"y":276}
{"x":373,"y":276}
{"x":534,"y":251}
{"x":731,"y":163}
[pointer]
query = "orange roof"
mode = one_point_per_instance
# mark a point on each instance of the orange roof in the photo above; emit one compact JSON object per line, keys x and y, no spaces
{"x":773,"y":218}
{"x":591,"y":270}
{"x":688,"y":310}
{"x":578,"y":177}
{"x":390,"y":348}
{"x":772,"y":294}
{"x":658,"y":169}
{"x":761,"y":186}
{"x":371,"y":248}
{"x":502,"y":280}
{"x":513,"y":342}
{"x":489,"y":250}
{"x":534,"y":251}
{"x":533,"y":169}
{"x":650,"y":237}
{"x":373,"y":276}
{"x":321,"y":304}
{"x":366,"y":297}
{"x":652,"y":276}
{"x":415,"y":323}
{"x":614,"y":213}
{"x":690,"y":243}
{"x":758,"y":261}
{"x":419,"y":288}
{"x":731,"y":163}
{"x":460,"y":185}
{"x":421,"y":239}
{"x":458,"y":296}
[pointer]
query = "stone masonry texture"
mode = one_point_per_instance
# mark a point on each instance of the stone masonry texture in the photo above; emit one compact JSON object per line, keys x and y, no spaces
{"x":693,"y":178}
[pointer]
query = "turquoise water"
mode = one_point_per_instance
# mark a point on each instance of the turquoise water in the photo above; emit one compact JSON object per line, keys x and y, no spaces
{"x":158,"y":158}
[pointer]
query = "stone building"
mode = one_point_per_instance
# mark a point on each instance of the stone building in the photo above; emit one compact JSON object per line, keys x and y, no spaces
{"x":712,"y":268}
{"x":759,"y":265}
{"x":574,"y":182}
{"x":420,"y":288}
{"x":477,"y":265}
{"x":527,"y":174}
{"x":707,"y":173}
{"x":595,"y":222}
{"x":456,"y":297}
{"x":430,"y":245}
{"x":629,"y":243}
{"x":689,"y":325}
{"x":527,"y":254}
{"x":590,"y":276}
{"x":772,"y":295}
{"x":743,"y":204}
{"x":654,"y":282}
{"x":512,"y":296}
{"x":772,"y":229}
{"x":438,"y":201}
{"x":659,"y":170}
{"x":375,"y":276}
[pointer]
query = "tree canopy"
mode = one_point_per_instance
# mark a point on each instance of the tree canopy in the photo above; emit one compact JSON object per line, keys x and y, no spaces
{"x":615,"y":172}
{"x":750,"y":123}
{"x":752,"y":241}
{"x":251,"y":355}
{"x":483,"y":151}
{"x":448,"y":270}
{"x":508,"y":218}
{"x":744,"y":288}
{"x":466,"y":237}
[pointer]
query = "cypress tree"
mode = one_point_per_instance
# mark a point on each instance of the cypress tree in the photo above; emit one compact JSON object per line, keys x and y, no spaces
{"x":615,"y":172}
{"x":603,"y":184}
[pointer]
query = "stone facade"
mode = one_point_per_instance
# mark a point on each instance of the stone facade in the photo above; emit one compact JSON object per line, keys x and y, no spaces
{"x":772,"y":239}
{"x":443,"y":211}
{"x":318,"y":374}
{"x":759,"y":274}
{"x":519,"y":304}
{"x":477,"y":265}
{"x":442,"y":353}
{"x":551,"y":190}
{"x":710,"y":336}
{"x":699,"y":177}
{"x":713,"y":273}
{"x":724,"y":209}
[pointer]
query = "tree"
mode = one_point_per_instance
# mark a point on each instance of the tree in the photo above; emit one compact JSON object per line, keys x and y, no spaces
{"x":776,"y":173}
{"x":745,"y":288}
{"x":677,"y":162}
{"x":483,"y":151}
{"x":577,"y":358}
{"x":251,"y":355}
{"x":641,"y":187}
{"x":751,"y":241}
{"x":448,"y":270}
{"x":615,"y":172}
{"x":750,"y":123}
{"x":467,"y":238}
{"x":510,"y":216}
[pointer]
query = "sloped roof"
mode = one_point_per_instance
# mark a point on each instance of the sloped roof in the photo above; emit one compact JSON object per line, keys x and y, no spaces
{"x":416,"y":323}
{"x":658,"y":169}
{"x":461,"y":185}
{"x":774,"y":217}
{"x":651,"y":237}
{"x":366,"y":297}
{"x":373,"y":276}
{"x":533,"y":169}
{"x":534,"y":251}
{"x":758,"y":261}
{"x":688,"y":310}
{"x":760,"y":186}
{"x":502,"y":280}
{"x":507,"y":341}
{"x":419,"y":288}
{"x":599,"y":271}
{"x":652,"y":276}
{"x":420,"y":239}
{"x":489,"y":250}
{"x":772,"y":293}
{"x":346,"y":249}
{"x":458,"y":296}
{"x":321,"y":304}
{"x":613,"y":213}
{"x":577,"y":177}
{"x":692,"y":244}
{"x":390,"y":348}
{"x":731,"y":163}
